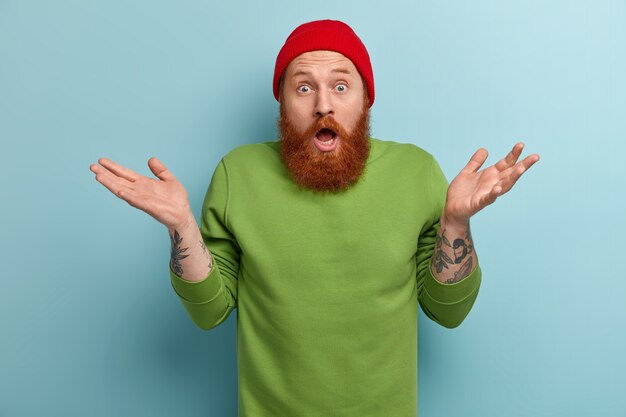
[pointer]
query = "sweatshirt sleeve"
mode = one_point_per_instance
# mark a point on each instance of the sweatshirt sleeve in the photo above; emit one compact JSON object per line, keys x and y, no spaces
{"x":210,"y":301}
{"x":446,"y":304}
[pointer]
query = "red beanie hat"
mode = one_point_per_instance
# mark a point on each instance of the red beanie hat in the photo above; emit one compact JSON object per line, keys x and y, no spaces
{"x":329,"y":35}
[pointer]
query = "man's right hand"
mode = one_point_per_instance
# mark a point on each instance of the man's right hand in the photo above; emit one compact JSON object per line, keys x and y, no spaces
{"x":164,"y":198}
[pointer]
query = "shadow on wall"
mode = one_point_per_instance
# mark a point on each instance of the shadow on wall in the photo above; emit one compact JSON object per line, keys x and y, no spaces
{"x":198,"y":367}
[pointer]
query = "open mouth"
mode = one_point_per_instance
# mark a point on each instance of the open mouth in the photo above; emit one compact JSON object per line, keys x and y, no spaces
{"x":326,"y":136}
{"x":325,"y":139}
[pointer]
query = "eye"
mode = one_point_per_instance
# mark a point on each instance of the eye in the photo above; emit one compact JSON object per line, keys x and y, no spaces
{"x":342,"y":87}
{"x":303,"y":89}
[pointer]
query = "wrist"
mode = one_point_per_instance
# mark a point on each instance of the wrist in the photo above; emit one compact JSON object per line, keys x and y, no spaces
{"x":184,"y":221}
{"x":451,"y":221}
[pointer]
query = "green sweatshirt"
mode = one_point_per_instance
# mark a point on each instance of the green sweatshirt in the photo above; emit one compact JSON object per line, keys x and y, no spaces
{"x":326,"y":286}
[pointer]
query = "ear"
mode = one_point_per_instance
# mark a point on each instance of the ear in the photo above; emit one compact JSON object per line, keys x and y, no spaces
{"x":366,"y":95}
{"x":280,"y":86}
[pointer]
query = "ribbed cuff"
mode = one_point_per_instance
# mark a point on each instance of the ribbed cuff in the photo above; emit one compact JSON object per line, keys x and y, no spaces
{"x":453,"y":293}
{"x":199,"y":292}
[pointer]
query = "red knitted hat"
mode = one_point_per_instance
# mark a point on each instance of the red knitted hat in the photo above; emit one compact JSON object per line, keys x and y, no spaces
{"x":329,"y":35}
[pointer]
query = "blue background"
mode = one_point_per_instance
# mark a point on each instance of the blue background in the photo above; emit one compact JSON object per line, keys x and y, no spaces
{"x":88,"y":320}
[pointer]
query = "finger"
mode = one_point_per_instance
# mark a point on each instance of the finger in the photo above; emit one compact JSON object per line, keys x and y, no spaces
{"x":112,"y":178}
{"x":530,"y":160}
{"x":516,"y":172}
{"x":510,"y":159}
{"x":526,"y":163}
{"x":119,"y":170}
{"x":113,"y":183}
{"x":160,"y":170}
{"x":476,"y":161}
{"x":518,"y":169}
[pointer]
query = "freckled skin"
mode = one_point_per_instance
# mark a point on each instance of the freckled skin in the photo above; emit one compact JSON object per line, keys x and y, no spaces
{"x":307,"y":97}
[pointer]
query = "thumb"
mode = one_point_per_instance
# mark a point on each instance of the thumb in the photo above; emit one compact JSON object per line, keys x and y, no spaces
{"x":160,"y":170}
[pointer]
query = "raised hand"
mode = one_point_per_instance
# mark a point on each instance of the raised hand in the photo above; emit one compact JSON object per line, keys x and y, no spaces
{"x":164,"y":198}
{"x":473,"y":190}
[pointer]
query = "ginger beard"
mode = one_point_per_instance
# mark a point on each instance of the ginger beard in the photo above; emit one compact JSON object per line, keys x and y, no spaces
{"x":325,"y":171}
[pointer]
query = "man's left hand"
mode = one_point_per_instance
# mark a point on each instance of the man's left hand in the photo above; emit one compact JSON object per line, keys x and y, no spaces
{"x":473,"y":190}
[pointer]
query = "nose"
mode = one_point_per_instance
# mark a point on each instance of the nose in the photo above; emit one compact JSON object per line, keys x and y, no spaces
{"x":323,"y":104}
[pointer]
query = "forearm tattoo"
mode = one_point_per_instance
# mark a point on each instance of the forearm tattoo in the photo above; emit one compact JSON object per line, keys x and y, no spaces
{"x":206,"y":253}
{"x":456,"y":257}
{"x":176,"y":253}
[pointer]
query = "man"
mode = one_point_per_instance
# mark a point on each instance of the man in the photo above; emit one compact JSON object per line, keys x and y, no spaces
{"x":325,"y":241}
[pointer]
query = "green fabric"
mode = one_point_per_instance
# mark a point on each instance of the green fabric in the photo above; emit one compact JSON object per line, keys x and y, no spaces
{"x":326,"y":286}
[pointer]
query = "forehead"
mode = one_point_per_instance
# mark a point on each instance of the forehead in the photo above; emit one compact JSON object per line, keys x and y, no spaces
{"x":319,"y":62}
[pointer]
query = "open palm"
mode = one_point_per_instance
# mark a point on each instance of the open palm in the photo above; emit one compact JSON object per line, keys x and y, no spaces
{"x":472,"y":190}
{"x":164,"y":198}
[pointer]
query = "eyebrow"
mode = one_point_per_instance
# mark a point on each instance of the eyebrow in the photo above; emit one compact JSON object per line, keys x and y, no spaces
{"x":340,"y":70}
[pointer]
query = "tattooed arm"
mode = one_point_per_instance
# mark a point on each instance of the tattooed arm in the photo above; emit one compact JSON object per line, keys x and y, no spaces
{"x":471,"y":191}
{"x":454,"y":257}
{"x":190,"y":259}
